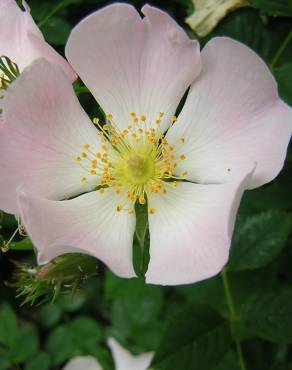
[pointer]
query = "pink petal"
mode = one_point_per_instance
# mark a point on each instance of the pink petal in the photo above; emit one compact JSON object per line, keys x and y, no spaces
{"x":133,"y":64}
{"x":83,"y":363}
{"x":232,"y":116}
{"x":88,"y":224}
{"x":43,"y":130}
{"x":124,"y":360}
{"x":191,"y":230}
{"x":22,"y":41}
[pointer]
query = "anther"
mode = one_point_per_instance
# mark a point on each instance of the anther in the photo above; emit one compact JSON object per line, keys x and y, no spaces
{"x":142,"y":200}
{"x":152,"y":211}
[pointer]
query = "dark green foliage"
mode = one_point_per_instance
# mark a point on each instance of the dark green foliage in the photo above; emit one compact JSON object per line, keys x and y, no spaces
{"x":197,"y":338}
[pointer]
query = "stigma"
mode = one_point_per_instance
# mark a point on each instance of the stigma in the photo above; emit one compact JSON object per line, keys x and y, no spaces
{"x":135,"y":161}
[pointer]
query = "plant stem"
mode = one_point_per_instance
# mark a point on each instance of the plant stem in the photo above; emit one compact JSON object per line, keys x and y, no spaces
{"x":51,"y":13}
{"x":233,"y":317}
{"x":281,"y":49}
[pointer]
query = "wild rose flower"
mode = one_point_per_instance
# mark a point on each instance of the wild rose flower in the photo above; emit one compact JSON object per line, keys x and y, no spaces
{"x":231,"y":135}
{"x":123,"y":360}
{"x":21,"y":40}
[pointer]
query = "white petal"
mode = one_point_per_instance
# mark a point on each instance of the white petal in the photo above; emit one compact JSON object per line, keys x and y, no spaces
{"x":43,"y":129}
{"x":124,"y":360}
{"x":133,"y":64}
{"x":190,"y":232}
{"x":89,"y":223}
{"x":83,"y":363}
{"x":232,"y":116}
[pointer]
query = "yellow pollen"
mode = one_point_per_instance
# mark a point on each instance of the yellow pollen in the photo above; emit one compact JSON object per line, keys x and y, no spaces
{"x":182,"y":140}
{"x":142,"y":200}
{"x":134,"y":162}
{"x":173,"y":119}
{"x":105,"y":148}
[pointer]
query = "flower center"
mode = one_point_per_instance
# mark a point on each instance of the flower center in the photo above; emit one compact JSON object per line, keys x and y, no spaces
{"x":138,"y":170}
{"x":135,"y":162}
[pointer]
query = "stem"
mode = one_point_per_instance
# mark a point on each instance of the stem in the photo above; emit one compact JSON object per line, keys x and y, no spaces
{"x":51,"y":13}
{"x":281,"y":49}
{"x":233,"y":317}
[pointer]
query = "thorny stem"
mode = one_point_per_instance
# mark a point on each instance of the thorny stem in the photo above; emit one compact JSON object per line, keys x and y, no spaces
{"x":281,"y":49}
{"x":233,"y":318}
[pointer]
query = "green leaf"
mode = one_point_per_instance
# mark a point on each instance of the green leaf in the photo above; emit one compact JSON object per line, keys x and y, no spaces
{"x":269,"y":315}
{"x":141,"y":241}
{"x":229,"y":362}
{"x":4,"y":359}
{"x":40,"y":362}
{"x":275,"y":195}
{"x":198,"y":339}
{"x":208,"y":292}
{"x":135,"y":310}
{"x":258,"y":239}
{"x":56,"y":31}
{"x":141,"y":224}
{"x":60,"y":345}
{"x":49,"y":315}
{"x":79,"y":337}
{"x":86,"y":333}
{"x":283,"y":75}
{"x":8,"y":325}
{"x":275,"y":8}
{"x":25,"y":345}
{"x":24,"y":245}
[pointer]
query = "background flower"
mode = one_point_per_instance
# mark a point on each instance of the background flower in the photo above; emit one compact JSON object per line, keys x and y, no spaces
{"x":22,"y":41}
{"x":123,"y":359}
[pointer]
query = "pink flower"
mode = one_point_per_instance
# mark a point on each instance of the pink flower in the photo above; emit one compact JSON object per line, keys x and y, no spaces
{"x":21,"y":40}
{"x":231,"y":135}
{"x":123,"y":360}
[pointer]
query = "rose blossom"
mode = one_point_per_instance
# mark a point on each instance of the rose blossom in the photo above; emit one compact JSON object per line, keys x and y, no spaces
{"x":231,"y":135}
